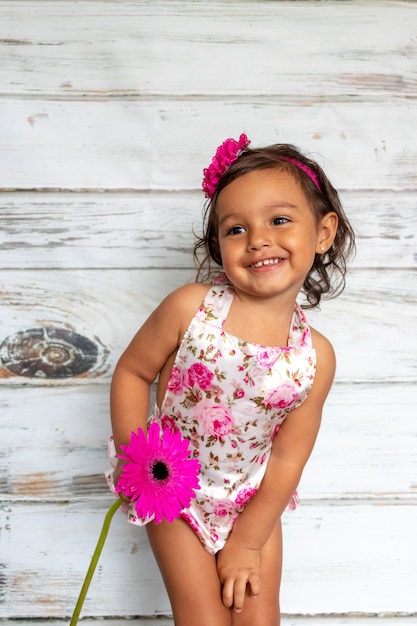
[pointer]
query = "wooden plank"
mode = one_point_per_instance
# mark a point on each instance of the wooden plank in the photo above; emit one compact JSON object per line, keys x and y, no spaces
{"x":328,"y":550}
{"x":148,"y":49}
{"x":348,"y":619}
{"x":370,"y":324}
{"x":342,"y":559}
{"x":367,"y":445}
{"x":142,"y":230}
{"x":164,"y":144}
{"x":70,"y":230}
{"x":359,"y":324}
{"x":94,"y":304}
{"x":365,"y":449}
{"x":116,"y":98}
{"x":351,"y":619}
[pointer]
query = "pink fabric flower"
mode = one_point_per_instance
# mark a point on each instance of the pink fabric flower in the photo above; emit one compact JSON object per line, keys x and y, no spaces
{"x":159,"y":476}
{"x":281,"y":398}
{"x":225,"y":155}
{"x":267,"y":356}
{"x":217,"y":419}
{"x":200,"y":375}
{"x":178,"y":380}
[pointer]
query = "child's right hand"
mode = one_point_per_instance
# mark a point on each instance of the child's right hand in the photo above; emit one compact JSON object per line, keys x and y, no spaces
{"x":116,"y":475}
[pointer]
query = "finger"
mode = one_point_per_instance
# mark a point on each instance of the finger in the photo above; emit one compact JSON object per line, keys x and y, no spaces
{"x":254,"y":584}
{"x":227,"y":593}
{"x":239,"y":594}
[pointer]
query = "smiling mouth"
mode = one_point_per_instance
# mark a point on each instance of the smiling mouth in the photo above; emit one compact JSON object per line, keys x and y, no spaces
{"x":266,"y":262}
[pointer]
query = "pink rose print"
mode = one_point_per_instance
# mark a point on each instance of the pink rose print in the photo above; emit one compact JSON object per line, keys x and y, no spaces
{"x":200,"y":375}
{"x":267,"y":357}
{"x":281,"y":398}
{"x":305,"y":337}
{"x":224,"y":508}
{"x":216,"y":419}
{"x":168,"y":422}
{"x":214,"y":537}
{"x":238,"y":393}
{"x":178,"y":380}
{"x":245,"y":495}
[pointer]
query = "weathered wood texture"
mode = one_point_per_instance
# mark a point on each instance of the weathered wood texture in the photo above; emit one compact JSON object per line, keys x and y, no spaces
{"x":365,"y":451}
{"x":324,"y":545}
{"x":108,"y":112}
{"x":351,"y":50}
{"x":152,"y":230}
{"x":146,"y":144}
{"x":108,"y":306}
{"x":287,"y":620}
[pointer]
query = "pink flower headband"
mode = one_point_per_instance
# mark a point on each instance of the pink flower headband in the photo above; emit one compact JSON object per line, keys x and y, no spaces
{"x":228,"y":152}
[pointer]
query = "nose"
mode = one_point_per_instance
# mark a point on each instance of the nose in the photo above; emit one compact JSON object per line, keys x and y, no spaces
{"x":258,"y":238}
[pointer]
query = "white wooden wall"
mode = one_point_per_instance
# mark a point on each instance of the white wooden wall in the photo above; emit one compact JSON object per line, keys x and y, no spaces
{"x":108,"y":112}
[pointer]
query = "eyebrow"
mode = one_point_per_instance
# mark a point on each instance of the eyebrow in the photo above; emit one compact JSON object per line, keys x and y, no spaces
{"x":278,"y":205}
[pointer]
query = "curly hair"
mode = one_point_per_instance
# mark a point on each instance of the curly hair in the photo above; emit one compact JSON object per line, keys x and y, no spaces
{"x":328,"y":272}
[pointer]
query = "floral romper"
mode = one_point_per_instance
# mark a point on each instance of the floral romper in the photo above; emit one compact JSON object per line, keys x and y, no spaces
{"x":229,"y":397}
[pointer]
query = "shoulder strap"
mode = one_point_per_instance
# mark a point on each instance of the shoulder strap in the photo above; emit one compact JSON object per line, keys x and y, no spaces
{"x":215,"y":306}
{"x":300,"y":334}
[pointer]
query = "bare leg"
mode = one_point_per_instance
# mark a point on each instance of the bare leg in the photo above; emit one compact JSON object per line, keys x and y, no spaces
{"x":190,"y":575}
{"x":264,"y":609}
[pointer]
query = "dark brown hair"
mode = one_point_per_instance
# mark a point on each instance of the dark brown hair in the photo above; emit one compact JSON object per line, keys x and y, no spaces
{"x":327,"y":274}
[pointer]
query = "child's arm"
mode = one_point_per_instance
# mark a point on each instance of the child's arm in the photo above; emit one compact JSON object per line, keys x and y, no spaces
{"x":147,"y":354}
{"x":238,"y":562}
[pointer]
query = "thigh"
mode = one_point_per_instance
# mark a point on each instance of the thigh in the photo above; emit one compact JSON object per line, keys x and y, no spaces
{"x":190,"y":575}
{"x":264,"y":609}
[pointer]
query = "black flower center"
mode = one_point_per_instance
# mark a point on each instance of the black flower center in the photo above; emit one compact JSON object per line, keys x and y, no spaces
{"x":160,"y":470}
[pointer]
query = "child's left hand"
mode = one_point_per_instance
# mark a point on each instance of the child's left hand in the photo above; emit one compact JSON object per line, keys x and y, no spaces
{"x":238,"y":569}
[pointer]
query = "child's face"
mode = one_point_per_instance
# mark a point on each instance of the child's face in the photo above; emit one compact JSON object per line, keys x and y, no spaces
{"x":268,"y":235}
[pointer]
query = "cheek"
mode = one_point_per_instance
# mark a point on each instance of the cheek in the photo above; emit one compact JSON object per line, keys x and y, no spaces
{"x":303,"y":245}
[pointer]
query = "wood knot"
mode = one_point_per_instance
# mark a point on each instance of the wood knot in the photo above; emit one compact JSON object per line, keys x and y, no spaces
{"x":48,"y":352}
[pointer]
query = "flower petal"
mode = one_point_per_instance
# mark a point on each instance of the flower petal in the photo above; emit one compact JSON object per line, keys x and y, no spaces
{"x":163,"y":498}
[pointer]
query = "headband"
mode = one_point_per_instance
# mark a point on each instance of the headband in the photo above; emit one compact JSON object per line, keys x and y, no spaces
{"x":228,"y":152}
{"x":307,"y":170}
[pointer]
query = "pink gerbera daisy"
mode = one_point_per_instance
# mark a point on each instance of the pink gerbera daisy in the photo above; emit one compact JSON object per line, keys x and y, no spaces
{"x":159,"y":477}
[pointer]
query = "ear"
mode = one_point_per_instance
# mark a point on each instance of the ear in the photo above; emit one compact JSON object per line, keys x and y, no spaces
{"x":327,"y":232}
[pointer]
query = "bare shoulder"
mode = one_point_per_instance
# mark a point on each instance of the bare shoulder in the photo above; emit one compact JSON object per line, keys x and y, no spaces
{"x":161,"y":333}
{"x":190,"y":291}
{"x":182,"y":303}
{"x":187,"y":296}
{"x":326,"y":358}
{"x":322,"y":344}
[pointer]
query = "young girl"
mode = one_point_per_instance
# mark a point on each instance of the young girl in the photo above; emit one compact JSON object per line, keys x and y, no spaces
{"x":242,"y":376}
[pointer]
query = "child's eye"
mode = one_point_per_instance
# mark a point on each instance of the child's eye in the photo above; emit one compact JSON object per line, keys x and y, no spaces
{"x":280,"y":220}
{"x":235,"y":230}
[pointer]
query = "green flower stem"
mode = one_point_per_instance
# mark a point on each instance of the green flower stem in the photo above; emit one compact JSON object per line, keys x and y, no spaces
{"x":94,"y":560}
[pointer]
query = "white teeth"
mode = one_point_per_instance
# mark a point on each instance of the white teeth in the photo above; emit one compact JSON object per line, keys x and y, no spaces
{"x":266,"y":262}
